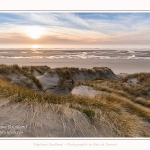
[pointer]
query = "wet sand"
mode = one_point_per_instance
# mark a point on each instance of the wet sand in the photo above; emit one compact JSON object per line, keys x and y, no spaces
{"x":117,"y":65}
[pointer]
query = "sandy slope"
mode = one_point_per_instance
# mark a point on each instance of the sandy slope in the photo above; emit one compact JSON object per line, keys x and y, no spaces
{"x":83,"y":90}
{"x":20,"y":120}
{"x":49,"y":81}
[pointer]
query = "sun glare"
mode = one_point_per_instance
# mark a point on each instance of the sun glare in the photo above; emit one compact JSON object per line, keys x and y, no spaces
{"x":35,"y":46}
{"x":34,"y":32}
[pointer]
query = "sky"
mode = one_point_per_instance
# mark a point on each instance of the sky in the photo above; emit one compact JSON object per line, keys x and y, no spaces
{"x":74,"y":29}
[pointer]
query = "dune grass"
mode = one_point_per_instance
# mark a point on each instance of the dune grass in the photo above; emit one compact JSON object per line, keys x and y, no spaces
{"x":139,"y":94}
{"x":64,"y":74}
{"x":28,"y":75}
{"x":15,"y":69}
{"x":124,"y":110}
{"x":17,"y":93}
{"x":142,"y":77}
{"x":120,"y":113}
{"x":40,"y":69}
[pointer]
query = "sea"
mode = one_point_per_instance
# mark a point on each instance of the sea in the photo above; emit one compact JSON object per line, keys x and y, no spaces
{"x":58,"y":53}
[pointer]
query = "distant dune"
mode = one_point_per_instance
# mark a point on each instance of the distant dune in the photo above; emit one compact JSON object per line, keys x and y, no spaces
{"x":37,"y":101}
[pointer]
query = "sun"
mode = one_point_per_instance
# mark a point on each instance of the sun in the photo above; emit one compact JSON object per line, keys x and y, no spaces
{"x":34,"y":32}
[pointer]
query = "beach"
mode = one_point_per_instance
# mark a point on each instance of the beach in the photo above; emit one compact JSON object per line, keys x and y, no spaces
{"x":118,"y":66}
{"x":119,"y":61}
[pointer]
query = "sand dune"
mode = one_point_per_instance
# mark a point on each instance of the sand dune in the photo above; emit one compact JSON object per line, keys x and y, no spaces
{"x":28,"y":109}
{"x":44,"y":121}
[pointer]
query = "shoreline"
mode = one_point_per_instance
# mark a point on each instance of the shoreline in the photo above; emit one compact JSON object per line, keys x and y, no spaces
{"x":118,"y":65}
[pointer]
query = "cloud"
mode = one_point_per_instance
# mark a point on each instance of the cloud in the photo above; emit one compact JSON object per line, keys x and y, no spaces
{"x":76,"y":28}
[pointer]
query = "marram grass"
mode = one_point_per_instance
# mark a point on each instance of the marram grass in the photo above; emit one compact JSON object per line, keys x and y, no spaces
{"x":118,"y":110}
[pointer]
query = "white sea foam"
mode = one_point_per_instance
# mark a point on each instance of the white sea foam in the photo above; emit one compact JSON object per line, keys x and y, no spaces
{"x":77,"y":54}
{"x":74,"y":57}
{"x":131,"y":51}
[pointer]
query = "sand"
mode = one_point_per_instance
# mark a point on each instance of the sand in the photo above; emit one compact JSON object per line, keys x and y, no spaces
{"x":117,"y":65}
{"x":133,"y":81}
{"x":21,"y":120}
{"x":48,"y":81}
{"x":83,"y":90}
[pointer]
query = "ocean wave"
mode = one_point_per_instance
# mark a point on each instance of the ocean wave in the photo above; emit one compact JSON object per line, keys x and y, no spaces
{"x":73,"y":57}
{"x":76,"y":54}
{"x":131,"y":51}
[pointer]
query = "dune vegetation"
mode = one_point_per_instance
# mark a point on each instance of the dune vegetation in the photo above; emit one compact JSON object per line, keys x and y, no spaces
{"x":124,"y":111}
